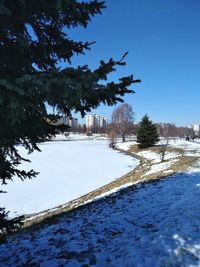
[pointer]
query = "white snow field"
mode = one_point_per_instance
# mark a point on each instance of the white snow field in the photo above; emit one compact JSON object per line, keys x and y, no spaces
{"x":68,"y":170}
{"x":149,"y":225}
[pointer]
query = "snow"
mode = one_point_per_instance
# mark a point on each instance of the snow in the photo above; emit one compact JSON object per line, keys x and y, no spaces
{"x":148,"y":154}
{"x":189,"y":148}
{"x":125,"y":145}
{"x":113,"y":191}
{"x":187,"y":145}
{"x":160,"y":167}
{"x":147,"y":225}
{"x":68,"y":170}
{"x":79,"y":136}
{"x":143,"y":225}
{"x":155,"y":157}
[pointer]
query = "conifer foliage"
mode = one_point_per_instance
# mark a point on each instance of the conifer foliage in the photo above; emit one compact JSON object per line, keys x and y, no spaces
{"x":34,"y":38}
{"x":147,"y":133}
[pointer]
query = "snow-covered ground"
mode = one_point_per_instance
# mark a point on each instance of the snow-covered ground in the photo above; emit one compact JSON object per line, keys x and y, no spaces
{"x":156,"y":157}
{"x":158,"y":167}
{"x":146,"y":225}
{"x":178,"y":143}
{"x":68,"y":170}
{"x":126,"y":145}
{"x":150,"y":225}
{"x":191,"y":149}
{"x":188,"y":146}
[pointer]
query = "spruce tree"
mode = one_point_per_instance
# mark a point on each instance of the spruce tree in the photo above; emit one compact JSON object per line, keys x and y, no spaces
{"x":147,"y":133}
{"x":35,"y":38}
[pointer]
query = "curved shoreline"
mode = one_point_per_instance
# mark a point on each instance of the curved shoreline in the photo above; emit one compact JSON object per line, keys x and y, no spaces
{"x":85,"y":199}
{"x":137,"y":175}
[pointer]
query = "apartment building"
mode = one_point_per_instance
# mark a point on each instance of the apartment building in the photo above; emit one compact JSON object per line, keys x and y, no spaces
{"x":95,"y":123}
{"x":73,"y":123}
{"x":195,"y":128}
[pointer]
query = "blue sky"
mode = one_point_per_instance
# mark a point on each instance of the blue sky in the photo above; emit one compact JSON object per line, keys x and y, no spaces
{"x":163,"y":40}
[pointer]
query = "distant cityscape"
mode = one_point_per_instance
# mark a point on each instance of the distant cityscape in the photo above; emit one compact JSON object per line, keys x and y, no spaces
{"x":195,"y":128}
{"x":93,"y":124}
{"x":97,"y":124}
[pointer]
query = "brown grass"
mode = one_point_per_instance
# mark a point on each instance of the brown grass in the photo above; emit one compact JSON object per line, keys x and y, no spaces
{"x":136,"y":149}
{"x":183,"y":163}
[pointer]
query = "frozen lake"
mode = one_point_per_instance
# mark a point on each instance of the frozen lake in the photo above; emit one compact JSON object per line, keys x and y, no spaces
{"x":68,"y":170}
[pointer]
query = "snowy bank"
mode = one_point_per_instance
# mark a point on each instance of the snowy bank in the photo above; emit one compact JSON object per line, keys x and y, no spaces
{"x":177,"y":151}
{"x":150,"y":225}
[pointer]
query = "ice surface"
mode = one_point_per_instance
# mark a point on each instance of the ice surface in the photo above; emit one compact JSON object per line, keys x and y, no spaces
{"x":68,"y":170}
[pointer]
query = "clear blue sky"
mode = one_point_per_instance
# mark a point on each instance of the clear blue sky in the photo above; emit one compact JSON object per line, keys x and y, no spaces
{"x":163,"y":40}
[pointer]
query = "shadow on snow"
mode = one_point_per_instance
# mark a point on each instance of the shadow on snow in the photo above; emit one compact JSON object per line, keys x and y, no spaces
{"x":151,"y":224}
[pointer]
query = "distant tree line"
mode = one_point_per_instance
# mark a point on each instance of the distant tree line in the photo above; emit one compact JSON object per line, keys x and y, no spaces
{"x":171,"y":130}
{"x":122,"y":125}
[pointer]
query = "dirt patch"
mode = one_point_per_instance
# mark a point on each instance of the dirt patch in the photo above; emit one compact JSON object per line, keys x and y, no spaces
{"x":175,"y":150}
{"x":183,"y":163}
{"x":134,"y":149}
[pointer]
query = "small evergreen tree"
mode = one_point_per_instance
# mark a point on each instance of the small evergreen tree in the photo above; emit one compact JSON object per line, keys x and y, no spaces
{"x":147,"y":133}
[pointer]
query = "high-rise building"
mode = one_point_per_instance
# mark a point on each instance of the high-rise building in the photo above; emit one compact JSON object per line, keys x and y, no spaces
{"x":66,"y":120}
{"x":105,"y":122}
{"x":101,"y":122}
{"x":95,"y":123}
{"x":90,"y":123}
{"x":62,"y":120}
{"x":196,"y":128}
{"x":73,"y":123}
